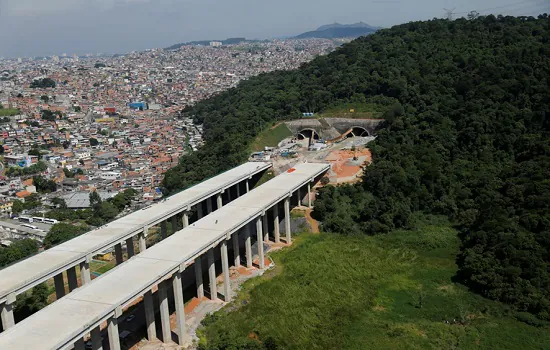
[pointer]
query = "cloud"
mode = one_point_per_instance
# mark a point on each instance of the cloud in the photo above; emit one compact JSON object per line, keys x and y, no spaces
{"x":53,"y":7}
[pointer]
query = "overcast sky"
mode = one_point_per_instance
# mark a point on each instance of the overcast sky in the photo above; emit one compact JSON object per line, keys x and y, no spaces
{"x":53,"y":27}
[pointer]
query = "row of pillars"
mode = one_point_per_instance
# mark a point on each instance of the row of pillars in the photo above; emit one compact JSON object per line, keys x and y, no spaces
{"x":262,"y":234}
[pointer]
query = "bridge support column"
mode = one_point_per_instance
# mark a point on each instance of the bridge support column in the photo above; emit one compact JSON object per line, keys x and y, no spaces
{"x":260,"y":243}
{"x":118,"y":254}
{"x":219,"y":201}
{"x":112,"y":330}
{"x":85,"y":276}
{"x":238,"y":189}
{"x":287,"y":221}
{"x":198,"y":277}
{"x":180,"y":311}
{"x":59,"y":286}
{"x":71,"y":276}
{"x":185,"y":219}
{"x":149,"y":315}
{"x":248,"y":245}
{"x":247,"y":186}
{"x":276,"y":229}
{"x":299,"y":197}
{"x":309,"y":195}
{"x":130,"y":247}
{"x":228,"y":194}
{"x":208,"y":205}
{"x":199,"y":210}
{"x":142,"y":241}
{"x":6,"y":312}
{"x":79,"y":344}
{"x":225,"y":268}
{"x":265,"y":227}
{"x":163,"y":230}
{"x":96,"y":339}
{"x":212,"y":274}
{"x":164,"y":313}
{"x":236,"y":253}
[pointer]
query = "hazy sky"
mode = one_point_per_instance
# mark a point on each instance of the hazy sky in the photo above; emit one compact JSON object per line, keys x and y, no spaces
{"x":48,"y":27}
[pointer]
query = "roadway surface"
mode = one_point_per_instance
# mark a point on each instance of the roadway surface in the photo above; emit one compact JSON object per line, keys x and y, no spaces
{"x":61,"y":323}
{"x":25,"y":274}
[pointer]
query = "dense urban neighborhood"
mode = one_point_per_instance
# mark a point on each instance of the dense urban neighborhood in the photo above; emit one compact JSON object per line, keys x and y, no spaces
{"x":71,"y":125}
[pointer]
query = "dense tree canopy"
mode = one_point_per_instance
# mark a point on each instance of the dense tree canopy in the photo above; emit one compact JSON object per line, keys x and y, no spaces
{"x":17,"y":250}
{"x":466,"y":135}
{"x":43,"y":83}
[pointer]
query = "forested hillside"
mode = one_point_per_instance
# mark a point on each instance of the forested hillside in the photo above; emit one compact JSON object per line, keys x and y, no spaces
{"x":467,"y":136}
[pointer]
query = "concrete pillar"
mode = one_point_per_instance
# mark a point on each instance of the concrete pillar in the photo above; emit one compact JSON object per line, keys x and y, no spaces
{"x":164,"y":313}
{"x":85,"y":276}
{"x":6,"y":312}
{"x":118,"y":254}
{"x":142,"y":241}
{"x":299,"y":195}
{"x":180,"y":311}
{"x":71,"y":277}
{"x":208,"y":205}
{"x":260,"y":242}
{"x":248,"y":245}
{"x":247,"y":186}
{"x":130,"y":247}
{"x":225,"y":268}
{"x":185,"y":219}
{"x":265,"y":227}
{"x":174,"y":224}
{"x":59,"y":286}
{"x":309,"y":195}
{"x":219,"y":201}
{"x":79,"y":344}
{"x":236,"y":253}
{"x":112,"y":330}
{"x":163,"y":230}
{"x":212,"y":274}
{"x":276,"y":228}
{"x":287,"y":221}
{"x":149,"y":315}
{"x":228,"y":194}
{"x":238,"y":189}
{"x":198,"y":277}
{"x":199,"y":210}
{"x":96,"y":339}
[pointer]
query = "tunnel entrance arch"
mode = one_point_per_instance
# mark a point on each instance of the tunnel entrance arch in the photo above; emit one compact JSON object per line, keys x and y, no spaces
{"x":358,"y":131}
{"x":307,"y":134}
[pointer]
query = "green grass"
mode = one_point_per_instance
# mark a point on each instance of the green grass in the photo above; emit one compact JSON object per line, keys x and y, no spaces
{"x":8,"y":112}
{"x":271,"y":137}
{"x":361,"y":110}
{"x":386,"y":292}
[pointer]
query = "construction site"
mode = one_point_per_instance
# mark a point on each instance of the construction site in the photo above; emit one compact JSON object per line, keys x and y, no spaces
{"x":341,"y":142}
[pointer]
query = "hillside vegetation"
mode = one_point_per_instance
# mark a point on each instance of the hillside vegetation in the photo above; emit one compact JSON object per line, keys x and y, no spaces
{"x":466,"y":136}
{"x":359,"y":292}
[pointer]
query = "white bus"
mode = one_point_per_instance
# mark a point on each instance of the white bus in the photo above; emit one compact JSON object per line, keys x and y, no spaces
{"x":37,"y":219}
{"x":25,"y":219}
{"x":50,"y":221}
{"x":30,"y":226}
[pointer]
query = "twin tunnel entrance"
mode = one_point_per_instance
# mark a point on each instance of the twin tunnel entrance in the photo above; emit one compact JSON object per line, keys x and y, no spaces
{"x":312,"y":134}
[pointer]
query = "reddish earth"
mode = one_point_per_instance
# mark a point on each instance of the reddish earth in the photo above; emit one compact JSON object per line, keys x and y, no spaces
{"x":312,"y":222}
{"x":341,"y":161}
{"x":193,"y":304}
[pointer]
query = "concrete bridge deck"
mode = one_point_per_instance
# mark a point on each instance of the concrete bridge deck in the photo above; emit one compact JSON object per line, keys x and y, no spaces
{"x":21,"y":276}
{"x":61,"y":324}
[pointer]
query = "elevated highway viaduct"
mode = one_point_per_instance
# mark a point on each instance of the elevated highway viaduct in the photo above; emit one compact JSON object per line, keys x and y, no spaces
{"x":65,"y":323}
{"x":175,"y":210}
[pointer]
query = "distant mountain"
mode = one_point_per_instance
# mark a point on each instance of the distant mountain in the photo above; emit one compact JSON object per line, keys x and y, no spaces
{"x":337,"y":30}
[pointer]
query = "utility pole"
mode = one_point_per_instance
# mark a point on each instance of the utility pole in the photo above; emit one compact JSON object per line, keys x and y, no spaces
{"x":449,"y":14}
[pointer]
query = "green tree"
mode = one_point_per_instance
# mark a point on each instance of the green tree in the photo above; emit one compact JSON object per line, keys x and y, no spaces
{"x":62,"y":232}
{"x":93,"y":142}
{"x":95,"y":199}
{"x":45,"y":98}
{"x":17,"y":250}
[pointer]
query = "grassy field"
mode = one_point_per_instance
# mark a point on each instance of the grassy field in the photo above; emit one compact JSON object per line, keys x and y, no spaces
{"x":360,"y":110}
{"x":271,"y":137}
{"x":8,"y":112}
{"x":385,"y":292}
